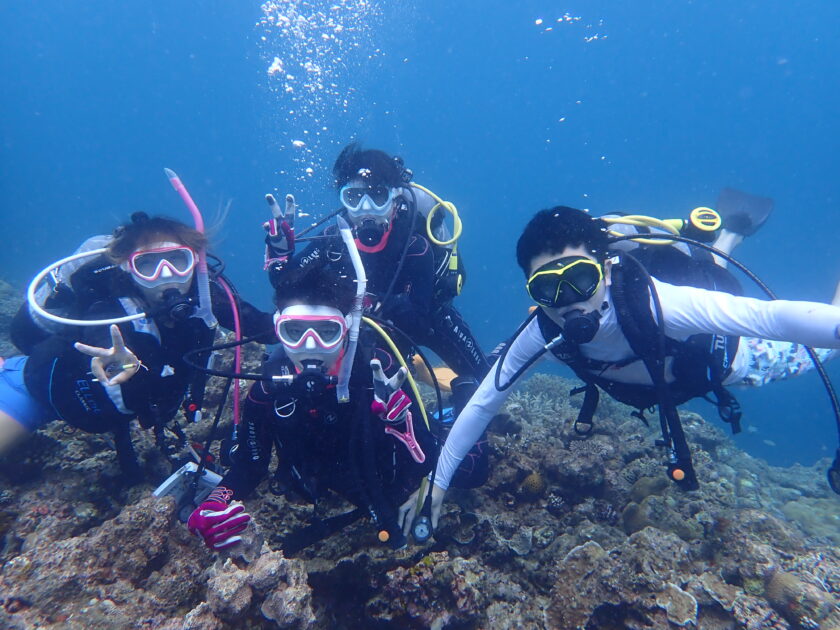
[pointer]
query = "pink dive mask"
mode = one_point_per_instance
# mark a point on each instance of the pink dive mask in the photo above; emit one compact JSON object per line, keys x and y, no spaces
{"x":311,"y":333}
{"x":161,"y":265}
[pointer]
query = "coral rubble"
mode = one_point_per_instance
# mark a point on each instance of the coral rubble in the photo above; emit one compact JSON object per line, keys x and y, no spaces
{"x":568,"y":533}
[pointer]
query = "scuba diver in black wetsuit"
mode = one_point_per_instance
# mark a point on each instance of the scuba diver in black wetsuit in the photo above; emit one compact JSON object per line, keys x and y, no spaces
{"x":413,"y":267}
{"x":131,"y":305}
{"x":371,"y":443}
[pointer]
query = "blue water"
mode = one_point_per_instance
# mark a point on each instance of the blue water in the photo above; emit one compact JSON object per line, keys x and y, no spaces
{"x":672,"y":101}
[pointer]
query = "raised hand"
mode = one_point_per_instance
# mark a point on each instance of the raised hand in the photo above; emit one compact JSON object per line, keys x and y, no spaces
{"x":114,"y":365}
{"x":390,"y":402}
{"x":280,"y":230}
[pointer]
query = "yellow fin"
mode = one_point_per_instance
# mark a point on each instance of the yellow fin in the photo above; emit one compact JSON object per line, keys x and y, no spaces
{"x":443,"y":375}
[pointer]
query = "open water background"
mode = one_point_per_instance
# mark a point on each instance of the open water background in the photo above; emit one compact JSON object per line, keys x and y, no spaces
{"x":650,"y":106}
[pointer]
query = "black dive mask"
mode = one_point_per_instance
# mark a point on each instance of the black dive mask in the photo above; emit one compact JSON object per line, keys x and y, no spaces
{"x":580,"y":327}
{"x":370,"y":233}
{"x":176,"y":306}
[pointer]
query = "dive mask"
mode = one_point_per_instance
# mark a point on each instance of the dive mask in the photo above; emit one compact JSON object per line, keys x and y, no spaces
{"x":168,"y":264}
{"x":367,"y":201}
{"x":565,"y":281}
{"x":311,"y":333}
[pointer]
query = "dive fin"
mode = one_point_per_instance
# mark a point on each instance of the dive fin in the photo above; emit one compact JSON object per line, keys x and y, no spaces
{"x":443,"y":375}
{"x":742,"y":212}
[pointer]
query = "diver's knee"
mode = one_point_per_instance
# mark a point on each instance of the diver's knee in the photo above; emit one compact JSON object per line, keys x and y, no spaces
{"x":11,"y":432}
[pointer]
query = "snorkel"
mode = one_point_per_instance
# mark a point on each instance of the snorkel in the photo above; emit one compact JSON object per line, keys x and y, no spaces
{"x":205,"y":309}
{"x":343,"y":388}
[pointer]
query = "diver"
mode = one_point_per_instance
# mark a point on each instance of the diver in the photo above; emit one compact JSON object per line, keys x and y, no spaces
{"x":130,"y":308}
{"x":413,"y":267}
{"x":644,"y":338}
{"x":372,"y":450}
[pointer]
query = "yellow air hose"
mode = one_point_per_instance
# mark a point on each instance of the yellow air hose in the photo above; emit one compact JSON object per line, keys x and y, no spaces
{"x":457,"y":227}
{"x":701,"y":218}
{"x":640,"y":220}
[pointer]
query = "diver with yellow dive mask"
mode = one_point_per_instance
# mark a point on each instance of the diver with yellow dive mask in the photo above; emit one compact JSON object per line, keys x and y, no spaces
{"x":647,"y":331}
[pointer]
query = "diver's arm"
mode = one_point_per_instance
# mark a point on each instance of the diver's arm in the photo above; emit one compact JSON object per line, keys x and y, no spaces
{"x":689,"y":311}
{"x":419,"y":275}
{"x":314,"y":252}
{"x":410,"y":303}
{"x":455,"y":343}
{"x":251,"y":454}
{"x":484,"y":404}
{"x":252,"y":320}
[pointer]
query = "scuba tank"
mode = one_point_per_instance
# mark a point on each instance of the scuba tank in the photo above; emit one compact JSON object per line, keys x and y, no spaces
{"x":449,"y":270}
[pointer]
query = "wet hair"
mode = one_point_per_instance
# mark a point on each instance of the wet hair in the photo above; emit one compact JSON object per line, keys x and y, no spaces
{"x":374,"y":166}
{"x":142,"y":230}
{"x":315,"y":286}
{"x":553,"y":230}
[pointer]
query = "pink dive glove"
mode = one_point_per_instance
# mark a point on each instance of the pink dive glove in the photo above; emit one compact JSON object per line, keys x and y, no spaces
{"x":390,"y":402}
{"x":217,"y":522}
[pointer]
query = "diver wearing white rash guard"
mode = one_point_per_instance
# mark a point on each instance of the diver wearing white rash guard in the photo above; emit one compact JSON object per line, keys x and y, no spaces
{"x":687,"y":311}
{"x":577,"y":285}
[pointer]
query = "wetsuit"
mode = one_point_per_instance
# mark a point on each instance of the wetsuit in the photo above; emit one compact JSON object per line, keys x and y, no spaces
{"x":323,"y":445}
{"x":412,"y":301}
{"x":58,"y":378}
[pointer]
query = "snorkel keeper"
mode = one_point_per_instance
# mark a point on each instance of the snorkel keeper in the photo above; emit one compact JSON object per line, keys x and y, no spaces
{"x":343,"y":388}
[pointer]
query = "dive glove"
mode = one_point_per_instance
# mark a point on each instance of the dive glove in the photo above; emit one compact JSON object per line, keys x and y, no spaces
{"x":280,"y":231}
{"x":390,"y":402}
{"x":217,"y":522}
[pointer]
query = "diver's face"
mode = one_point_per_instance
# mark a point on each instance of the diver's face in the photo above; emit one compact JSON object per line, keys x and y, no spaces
{"x":365,"y":201}
{"x":160,"y":266}
{"x":593,"y":303}
{"x":312,"y":335}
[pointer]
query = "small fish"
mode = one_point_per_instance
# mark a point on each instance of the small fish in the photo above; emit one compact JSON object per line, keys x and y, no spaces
{"x":751,"y":428}
{"x":769,"y":442}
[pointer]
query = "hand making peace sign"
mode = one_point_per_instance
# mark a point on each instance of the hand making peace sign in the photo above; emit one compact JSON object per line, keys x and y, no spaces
{"x":112,"y":366}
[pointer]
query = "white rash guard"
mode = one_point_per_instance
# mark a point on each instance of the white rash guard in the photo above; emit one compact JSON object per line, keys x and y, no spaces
{"x":687,"y":311}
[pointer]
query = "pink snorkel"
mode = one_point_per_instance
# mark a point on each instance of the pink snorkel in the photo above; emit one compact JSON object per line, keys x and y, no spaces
{"x":205,"y":308}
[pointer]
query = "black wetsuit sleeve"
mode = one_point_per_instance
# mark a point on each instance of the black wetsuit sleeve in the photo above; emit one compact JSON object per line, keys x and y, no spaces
{"x":316,"y":253}
{"x":252,"y":452}
{"x":410,"y":305}
{"x":24,"y":332}
{"x":454,"y":342}
{"x":252,"y":320}
{"x":59,"y":376}
{"x":437,"y":326}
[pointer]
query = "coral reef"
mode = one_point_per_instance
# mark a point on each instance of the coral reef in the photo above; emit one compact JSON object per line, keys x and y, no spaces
{"x":9,"y":302}
{"x":568,"y":533}
{"x":142,"y":569}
